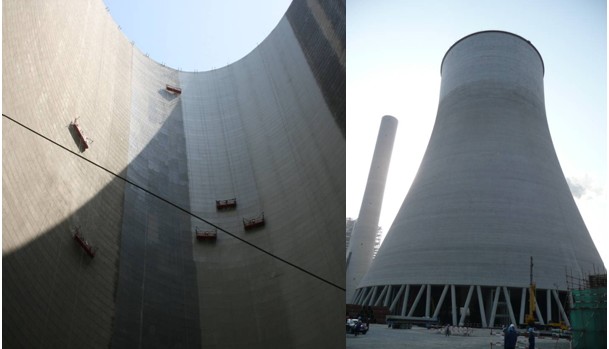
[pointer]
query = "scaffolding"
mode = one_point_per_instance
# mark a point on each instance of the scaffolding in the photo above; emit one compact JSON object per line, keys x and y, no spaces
{"x":173,"y":89}
{"x":206,"y":235}
{"x":86,"y":246}
{"x":252,"y":223}
{"x":226,"y":204}
{"x":588,"y":311}
{"x":83,"y":140}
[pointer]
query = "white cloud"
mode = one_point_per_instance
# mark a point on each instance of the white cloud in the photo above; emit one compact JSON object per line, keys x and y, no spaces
{"x":585,"y":187}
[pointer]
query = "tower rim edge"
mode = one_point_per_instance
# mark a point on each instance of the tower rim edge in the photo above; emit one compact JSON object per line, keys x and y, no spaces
{"x":543,"y":70}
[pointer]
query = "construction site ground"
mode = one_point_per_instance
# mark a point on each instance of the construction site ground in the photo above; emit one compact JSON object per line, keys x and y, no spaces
{"x":381,"y":336}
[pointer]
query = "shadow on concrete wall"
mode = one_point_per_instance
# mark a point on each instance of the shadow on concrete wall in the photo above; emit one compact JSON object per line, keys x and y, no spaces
{"x":157,"y":304}
{"x":54,"y":294}
{"x":140,"y":289}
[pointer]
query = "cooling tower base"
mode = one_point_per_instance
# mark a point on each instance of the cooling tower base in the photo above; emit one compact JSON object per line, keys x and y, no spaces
{"x":470,"y":305}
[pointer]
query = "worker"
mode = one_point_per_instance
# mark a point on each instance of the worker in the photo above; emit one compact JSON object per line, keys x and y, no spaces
{"x":531,"y":338}
{"x":511,"y":337}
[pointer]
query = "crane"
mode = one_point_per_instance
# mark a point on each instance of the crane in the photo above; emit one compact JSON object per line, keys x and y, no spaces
{"x":530,"y":320}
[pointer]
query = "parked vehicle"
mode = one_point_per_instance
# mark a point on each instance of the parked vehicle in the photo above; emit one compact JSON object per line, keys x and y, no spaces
{"x":356,"y":326}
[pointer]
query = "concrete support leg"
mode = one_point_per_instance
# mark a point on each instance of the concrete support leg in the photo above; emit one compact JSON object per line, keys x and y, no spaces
{"x":561,"y":309}
{"x":428,"y":301}
{"x":481,"y":303}
{"x":494,"y":309}
{"x":539,"y":317}
{"x":453,"y":295}
{"x":371,"y":299}
{"x":523,"y":301}
{"x":405,"y":302}
{"x":416,"y":300}
{"x":368,"y":294}
{"x":356,"y":296}
{"x":440,"y":302}
{"x":396,"y":298}
{"x":466,"y":305}
{"x":387,"y":296}
{"x":377,"y":302}
{"x":362,"y":295}
{"x":509,"y":305}
{"x":548,"y":306}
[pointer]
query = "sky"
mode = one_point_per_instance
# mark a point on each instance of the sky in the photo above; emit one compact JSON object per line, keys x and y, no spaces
{"x":196,"y":35}
{"x":394,"y":52}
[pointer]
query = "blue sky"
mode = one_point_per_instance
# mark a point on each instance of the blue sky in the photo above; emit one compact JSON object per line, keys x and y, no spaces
{"x":394,"y":52}
{"x":197,"y":35}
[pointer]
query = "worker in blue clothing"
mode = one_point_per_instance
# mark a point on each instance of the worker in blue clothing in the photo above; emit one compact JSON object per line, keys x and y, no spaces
{"x":531,"y":338}
{"x":511,"y":336}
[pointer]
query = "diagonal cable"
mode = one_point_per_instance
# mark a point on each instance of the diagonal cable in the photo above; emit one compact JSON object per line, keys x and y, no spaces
{"x":175,"y":205}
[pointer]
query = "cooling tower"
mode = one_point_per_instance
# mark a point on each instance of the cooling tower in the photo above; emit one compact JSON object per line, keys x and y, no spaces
{"x":256,"y":149}
{"x":489,"y":195}
{"x":361,"y":243}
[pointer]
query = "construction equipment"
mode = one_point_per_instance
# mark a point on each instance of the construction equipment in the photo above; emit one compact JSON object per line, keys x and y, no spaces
{"x":530,"y":319}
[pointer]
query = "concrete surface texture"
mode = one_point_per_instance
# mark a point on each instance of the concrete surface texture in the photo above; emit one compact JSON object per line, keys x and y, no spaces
{"x":267,"y":130}
{"x":489,"y":194}
{"x":361,"y":244}
{"x":380,"y":336}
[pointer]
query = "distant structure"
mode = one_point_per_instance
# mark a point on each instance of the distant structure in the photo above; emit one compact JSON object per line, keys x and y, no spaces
{"x":377,"y":241}
{"x":208,"y":211}
{"x":488,"y":196}
{"x":361,"y":246}
{"x":350,"y":223}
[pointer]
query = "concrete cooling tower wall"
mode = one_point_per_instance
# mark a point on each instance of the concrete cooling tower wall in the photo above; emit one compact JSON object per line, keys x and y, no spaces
{"x":260,"y":138}
{"x":488,"y":196}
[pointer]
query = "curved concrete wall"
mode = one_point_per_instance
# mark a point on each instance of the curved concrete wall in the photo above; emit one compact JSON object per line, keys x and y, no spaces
{"x":267,"y":130}
{"x":490,"y":192}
